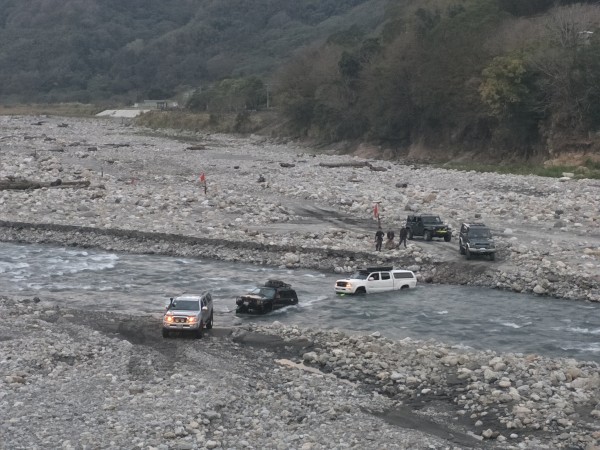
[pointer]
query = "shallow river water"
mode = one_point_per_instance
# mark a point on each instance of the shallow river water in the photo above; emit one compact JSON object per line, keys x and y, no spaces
{"x":466,"y":316}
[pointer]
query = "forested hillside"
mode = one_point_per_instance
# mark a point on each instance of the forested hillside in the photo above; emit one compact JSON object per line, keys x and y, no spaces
{"x":93,"y":50}
{"x":518,"y":76}
{"x":514,"y":77}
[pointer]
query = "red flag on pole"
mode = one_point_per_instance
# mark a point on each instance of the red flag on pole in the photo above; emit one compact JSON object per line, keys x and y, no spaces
{"x":202,"y":178}
{"x":376,"y":211}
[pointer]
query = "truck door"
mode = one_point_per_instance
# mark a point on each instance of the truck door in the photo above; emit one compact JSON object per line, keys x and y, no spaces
{"x":373,"y":282}
{"x":387,"y":282}
{"x":419,"y":227}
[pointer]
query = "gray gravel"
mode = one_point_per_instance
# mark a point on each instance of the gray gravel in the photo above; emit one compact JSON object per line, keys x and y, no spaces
{"x":80,"y":379}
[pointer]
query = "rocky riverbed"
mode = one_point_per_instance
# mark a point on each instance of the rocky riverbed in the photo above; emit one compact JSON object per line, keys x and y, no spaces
{"x":304,"y":214}
{"x":96,"y":380}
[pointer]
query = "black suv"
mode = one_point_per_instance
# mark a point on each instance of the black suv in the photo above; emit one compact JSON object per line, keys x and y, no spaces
{"x":476,"y":239}
{"x":274,"y":294}
{"x":428,"y":226}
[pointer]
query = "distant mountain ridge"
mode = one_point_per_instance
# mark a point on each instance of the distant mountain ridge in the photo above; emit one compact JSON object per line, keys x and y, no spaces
{"x":90,"y":50}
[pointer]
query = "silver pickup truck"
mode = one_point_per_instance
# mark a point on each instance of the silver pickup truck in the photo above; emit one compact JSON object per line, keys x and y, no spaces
{"x":190,"y":313}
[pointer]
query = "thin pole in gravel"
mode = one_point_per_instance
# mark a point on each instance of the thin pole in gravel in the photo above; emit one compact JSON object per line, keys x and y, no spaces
{"x":203,"y":181}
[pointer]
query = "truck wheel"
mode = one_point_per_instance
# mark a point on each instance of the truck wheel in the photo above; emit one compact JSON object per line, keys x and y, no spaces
{"x":209,"y":324}
{"x":468,"y":253}
{"x":404,"y":287}
{"x":165,"y":333}
{"x":427,"y":235}
{"x":200,"y":331}
{"x":461,"y":249}
{"x":448,"y":237}
{"x":360,"y":290}
{"x":410,"y":234}
{"x":492,"y":256}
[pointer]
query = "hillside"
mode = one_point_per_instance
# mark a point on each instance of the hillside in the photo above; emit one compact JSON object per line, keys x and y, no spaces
{"x":94,"y":50}
{"x":431,"y":79}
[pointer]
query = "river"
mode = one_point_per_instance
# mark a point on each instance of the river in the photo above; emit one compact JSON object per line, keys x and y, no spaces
{"x":465,"y":316}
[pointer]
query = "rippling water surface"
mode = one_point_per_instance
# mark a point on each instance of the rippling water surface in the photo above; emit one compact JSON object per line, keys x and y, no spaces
{"x":471,"y":317}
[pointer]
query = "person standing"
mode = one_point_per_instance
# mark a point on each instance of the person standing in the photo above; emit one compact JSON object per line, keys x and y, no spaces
{"x":378,"y":239}
{"x":403,"y":234}
{"x":389,"y":244}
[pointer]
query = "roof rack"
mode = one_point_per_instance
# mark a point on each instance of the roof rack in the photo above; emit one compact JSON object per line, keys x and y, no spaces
{"x":378,"y":268}
{"x":277,"y":284}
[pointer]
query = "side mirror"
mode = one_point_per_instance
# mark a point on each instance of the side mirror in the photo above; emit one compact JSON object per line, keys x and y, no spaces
{"x":371,"y":279}
{"x":205,"y":308}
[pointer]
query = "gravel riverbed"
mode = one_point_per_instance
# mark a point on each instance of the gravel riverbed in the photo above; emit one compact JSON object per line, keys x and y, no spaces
{"x":81,"y":379}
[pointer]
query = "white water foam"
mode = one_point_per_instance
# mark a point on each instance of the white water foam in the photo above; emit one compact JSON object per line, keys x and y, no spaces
{"x":314,"y":275}
{"x":583,"y":330}
{"x":510,"y":325}
{"x":61,"y":266}
{"x":593,"y":347}
{"x":7,"y":267}
{"x":313,"y":300}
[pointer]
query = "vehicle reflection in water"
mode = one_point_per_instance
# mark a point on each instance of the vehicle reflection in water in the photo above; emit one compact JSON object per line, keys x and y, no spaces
{"x":466,"y":316}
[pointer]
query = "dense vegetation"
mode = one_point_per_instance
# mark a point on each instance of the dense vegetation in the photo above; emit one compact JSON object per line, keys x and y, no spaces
{"x":501,"y":74}
{"x":91,"y":50}
{"x":511,"y":75}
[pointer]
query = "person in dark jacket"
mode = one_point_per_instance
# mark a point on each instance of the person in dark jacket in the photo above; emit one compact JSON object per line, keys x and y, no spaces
{"x":378,"y":239}
{"x":403,"y":234}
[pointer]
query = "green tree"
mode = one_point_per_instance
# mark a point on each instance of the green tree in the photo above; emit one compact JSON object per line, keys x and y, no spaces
{"x":503,"y":89}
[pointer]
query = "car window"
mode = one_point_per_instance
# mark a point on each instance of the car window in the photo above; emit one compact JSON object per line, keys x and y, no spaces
{"x":481,"y":233}
{"x":185,"y":305}
{"x":264,"y":291}
{"x":375,"y":276}
{"x":359,"y":276}
{"x":385,"y":275}
{"x":432,"y":219}
{"x":403,"y":275}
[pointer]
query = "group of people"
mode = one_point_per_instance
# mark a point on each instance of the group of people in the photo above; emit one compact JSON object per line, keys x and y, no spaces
{"x":390,"y":244}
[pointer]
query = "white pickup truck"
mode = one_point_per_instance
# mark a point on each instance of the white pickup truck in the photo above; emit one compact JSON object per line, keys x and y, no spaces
{"x":376,"y":279}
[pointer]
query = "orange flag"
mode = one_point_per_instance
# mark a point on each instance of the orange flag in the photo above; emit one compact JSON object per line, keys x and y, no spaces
{"x":376,"y":211}
{"x":202,"y":178}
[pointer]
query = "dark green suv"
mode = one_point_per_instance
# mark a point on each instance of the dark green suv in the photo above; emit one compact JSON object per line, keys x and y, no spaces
{"x":476,"y":239}
{"x":428,"y":226}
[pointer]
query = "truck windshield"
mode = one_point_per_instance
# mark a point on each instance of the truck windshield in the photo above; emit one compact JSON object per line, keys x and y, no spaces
{"x":186,"y":305}
{"x":359,"y":275}
{"x":264,"y":291}
{"x":482,"y":233}
{"x":432,"y":219}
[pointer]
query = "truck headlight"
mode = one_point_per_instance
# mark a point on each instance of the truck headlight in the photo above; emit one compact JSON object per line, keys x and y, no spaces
{"x":192,"y":319}
{"x":169,"y":318}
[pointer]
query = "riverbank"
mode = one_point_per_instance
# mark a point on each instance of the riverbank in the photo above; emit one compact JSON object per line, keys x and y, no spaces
{"x":75,"y":378}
